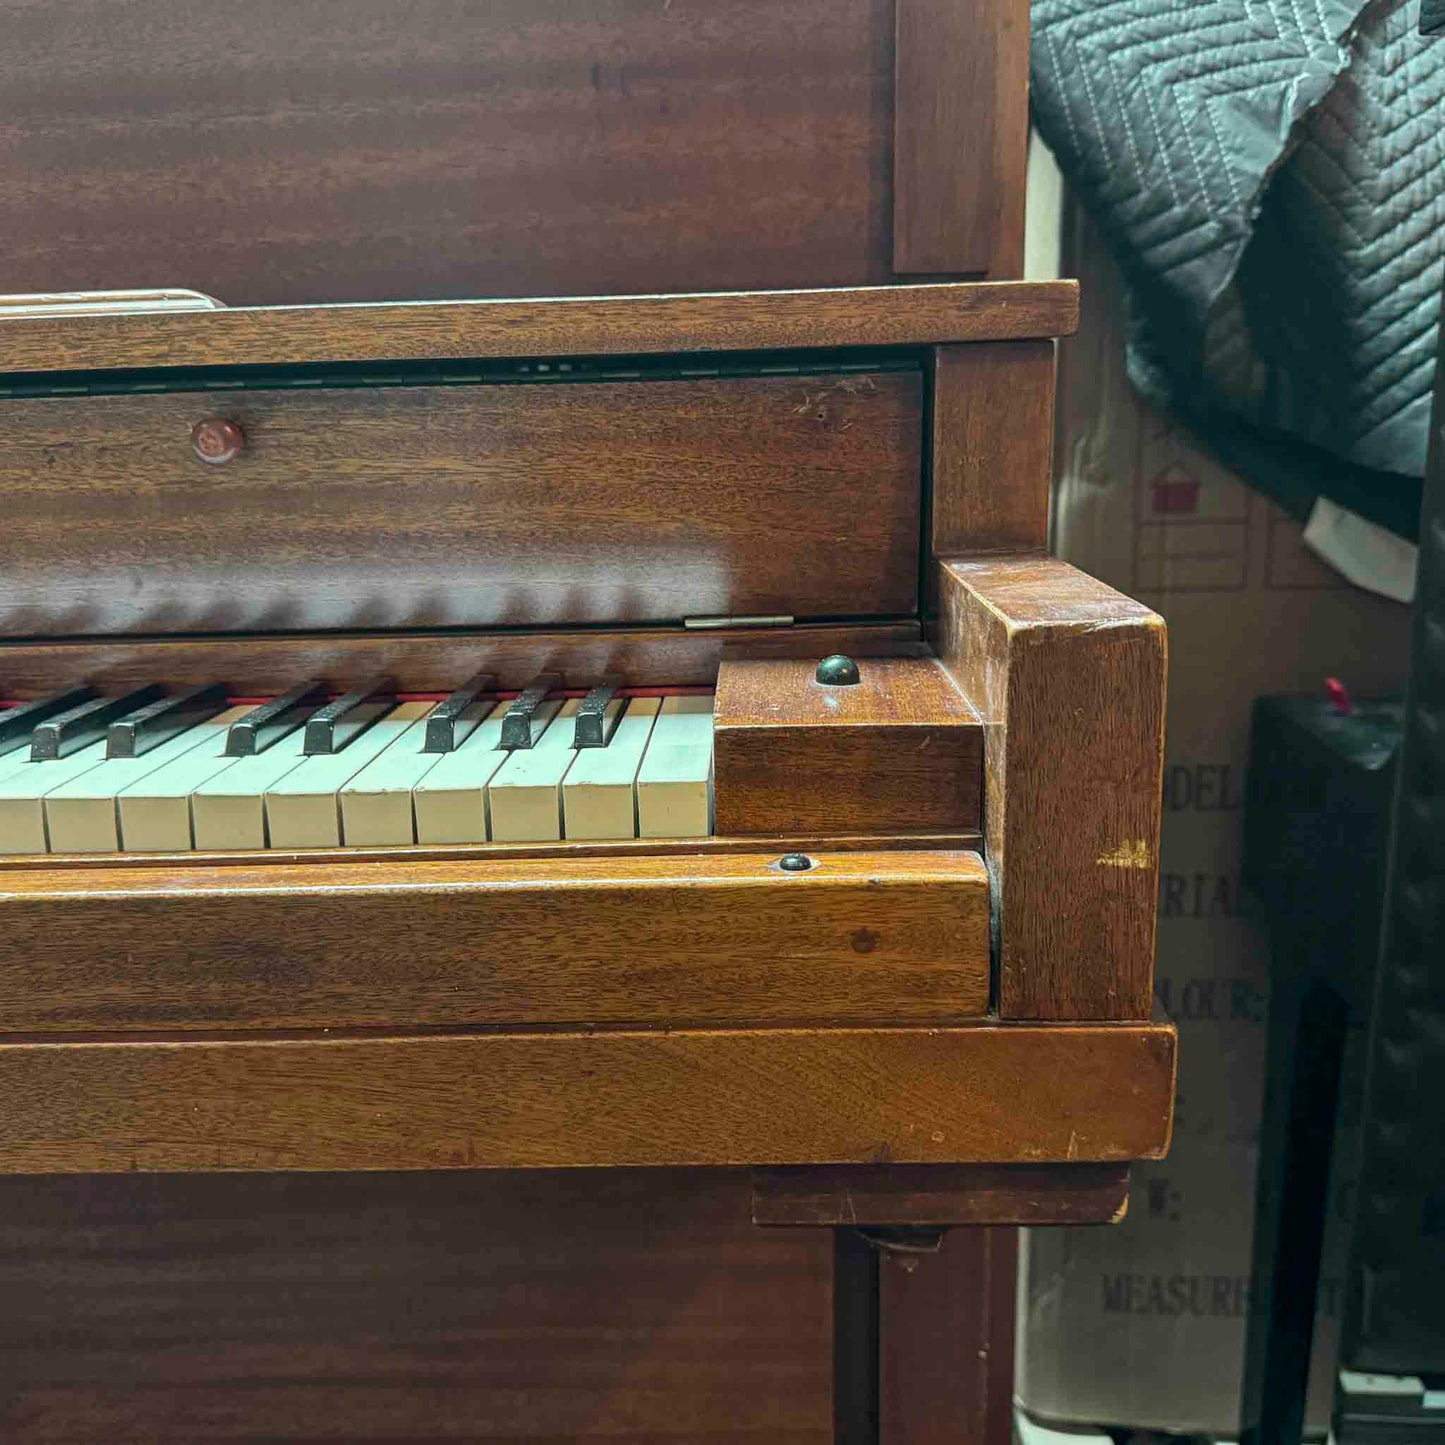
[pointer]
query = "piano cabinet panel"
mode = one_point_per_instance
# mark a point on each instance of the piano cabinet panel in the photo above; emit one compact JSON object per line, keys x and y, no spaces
{"x":462,"y":506}
{"x":977,"y":1093}
{"x":516,"y":148}
{"x":411,"y":1309}
{"x":394,"y":944}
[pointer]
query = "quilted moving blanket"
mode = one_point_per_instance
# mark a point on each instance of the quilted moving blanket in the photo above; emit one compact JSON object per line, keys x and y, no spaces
{"x":1271,"y":177}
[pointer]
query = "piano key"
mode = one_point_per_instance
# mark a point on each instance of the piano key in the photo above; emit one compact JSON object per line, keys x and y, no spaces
{"x":18,"y":723}
{"x":22,"y":812}
{"x":302,"y":810}
{"x":83,"y":814}
{"x":524,"y":797}
{"x":228,"y":811}
{"x":330,"y":729}
{"x":516,"y":731}
{"x":376,"y":803}
{"x":597,"y":717}
{"x":155,"y":812}
{"x":674,"y":783}
{"x":82,"y":725}
{"x":450,"y":722}
{"x":266,"y":725}
{"x":163,"y":720}
{"x":450,"y":802}
{"x":599,"y":793}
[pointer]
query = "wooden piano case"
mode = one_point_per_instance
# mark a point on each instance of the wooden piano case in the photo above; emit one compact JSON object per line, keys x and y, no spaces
{"x":959,"y":981}
{"x":282,"y":153}
{"x":472,"y":1142}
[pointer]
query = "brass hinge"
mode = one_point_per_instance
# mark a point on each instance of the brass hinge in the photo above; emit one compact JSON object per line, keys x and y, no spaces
{"x":712,"y":624}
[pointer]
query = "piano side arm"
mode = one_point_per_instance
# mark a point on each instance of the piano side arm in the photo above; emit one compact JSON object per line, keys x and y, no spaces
{"x":1069,"y":677}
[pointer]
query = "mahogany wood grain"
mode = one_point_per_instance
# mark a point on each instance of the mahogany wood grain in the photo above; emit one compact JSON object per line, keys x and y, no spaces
{"x":946,"y":1341}
{"x":425,"y":661}
{"x":921,"y":315}
{"x":517,"y":148}
{"x":981,"y":1093}
{"x":395,"y":945}
{"x":476,"y":506}
{"x":618,"y":848}
{"x":960,"y":125}
{"x":901,"y":748}
{"x":410,"y":1309}
{"x":1069,"y":677}
{"x":941,"y":1194}
{"x":993,"y":437}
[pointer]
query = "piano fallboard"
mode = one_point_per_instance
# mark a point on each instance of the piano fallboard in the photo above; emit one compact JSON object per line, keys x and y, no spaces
{"x":539,"y":504}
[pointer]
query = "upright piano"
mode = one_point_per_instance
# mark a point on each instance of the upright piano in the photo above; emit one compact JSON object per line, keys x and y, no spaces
{"x":548,"y":847}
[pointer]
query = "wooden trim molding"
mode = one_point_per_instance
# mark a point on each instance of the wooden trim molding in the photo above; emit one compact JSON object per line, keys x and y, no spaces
{"x":941,"y":1194}
{"x":922,"y":315}
{"x":976,"y":1093}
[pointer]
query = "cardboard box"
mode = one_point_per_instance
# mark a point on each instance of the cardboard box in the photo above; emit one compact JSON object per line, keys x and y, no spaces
{"x":1142,"y":1325}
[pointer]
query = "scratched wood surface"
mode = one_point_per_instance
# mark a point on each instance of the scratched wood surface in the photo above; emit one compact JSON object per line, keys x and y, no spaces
{"x":592,"y":1307}
{"x":399,"y":944}
{"x":463,"y":506}
{"x":900,"y":748}
{"x":917,"y":315}
{"x":985,"y":1093}
{"x":1069,"y":678}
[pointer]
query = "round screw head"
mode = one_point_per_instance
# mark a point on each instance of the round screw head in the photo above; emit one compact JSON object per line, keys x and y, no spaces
{"x":838,"y":671}
{"x":795,"y":862}
{"x":217,"y":439}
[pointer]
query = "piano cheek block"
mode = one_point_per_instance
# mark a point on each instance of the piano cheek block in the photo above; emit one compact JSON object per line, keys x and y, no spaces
{"x":898,"y":749}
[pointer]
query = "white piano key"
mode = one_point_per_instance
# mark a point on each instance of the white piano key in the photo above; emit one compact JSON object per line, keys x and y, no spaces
{"x":228,"y":811}
{"x":674,"y":783}
{"x":302,"y":810}
{"x":12,"y":763}
{"x":83,"y":815}
{"x":376,"y":803}
{"x":22,"y":813}
{"x":524,"y":797}
{"x":450,"y":802}
{"x":155,"y":813}
{"x":599,"y":794}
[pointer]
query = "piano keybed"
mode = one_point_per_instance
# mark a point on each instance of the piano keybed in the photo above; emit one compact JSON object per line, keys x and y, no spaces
{"x":362,"y":770}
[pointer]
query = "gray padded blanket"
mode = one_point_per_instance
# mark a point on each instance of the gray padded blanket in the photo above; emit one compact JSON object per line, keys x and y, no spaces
{"x":1271,"y":176}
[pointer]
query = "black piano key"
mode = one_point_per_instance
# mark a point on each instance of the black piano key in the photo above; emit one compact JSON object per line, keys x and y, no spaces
{"x":18,"y":723}
{"x":594,"y":725}
{"x":330,"y":728}
{"x":517,"y":720}
{"x":271,"y":721}
{"x":58,"y":737}
{"x":451,"y":722}
{"x":136,"y":735}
